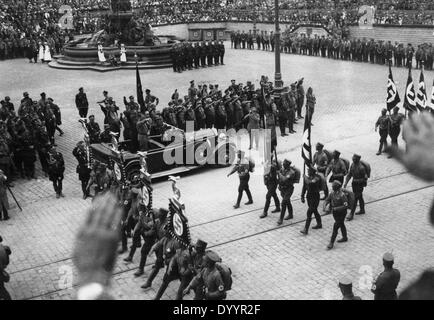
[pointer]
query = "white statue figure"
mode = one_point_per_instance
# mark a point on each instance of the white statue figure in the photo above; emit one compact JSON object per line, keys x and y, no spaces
{"x":41,"y":52}
{"x":47,"y":53}
{"x":123,"y":54}
{"x":101,"y":56}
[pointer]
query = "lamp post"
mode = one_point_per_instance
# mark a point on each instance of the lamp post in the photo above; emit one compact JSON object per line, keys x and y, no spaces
{"x":278,"y":83}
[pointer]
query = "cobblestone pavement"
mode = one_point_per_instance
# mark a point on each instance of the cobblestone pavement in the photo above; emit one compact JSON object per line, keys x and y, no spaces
{"x":268,"y":262}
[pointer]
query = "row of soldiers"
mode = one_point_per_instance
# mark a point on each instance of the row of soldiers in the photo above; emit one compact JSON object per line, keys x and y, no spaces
{"x":186,"y":56}
{"x":27,"y":132}
{"x":196,"y":268}
{"x":238,"y":106}
{"x":361,"y":50}
{"x":284,"y":176}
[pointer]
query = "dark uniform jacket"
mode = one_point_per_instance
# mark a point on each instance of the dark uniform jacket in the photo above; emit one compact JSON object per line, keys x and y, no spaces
{"x":81,"y":101}
{"x":385,"y":286}
{"x":212,"y":280}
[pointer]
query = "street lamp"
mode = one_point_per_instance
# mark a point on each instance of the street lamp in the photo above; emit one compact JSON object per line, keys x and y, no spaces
{"x":278,"y":83}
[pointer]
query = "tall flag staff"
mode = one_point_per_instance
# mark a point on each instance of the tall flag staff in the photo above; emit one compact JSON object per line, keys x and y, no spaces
{"x":306,"y":151}
{"x":410,"y":95}
{"x":421,"y":98}
{"x":432,"y":99}
{"x":392,"y":93}
{"x":140,"y":98}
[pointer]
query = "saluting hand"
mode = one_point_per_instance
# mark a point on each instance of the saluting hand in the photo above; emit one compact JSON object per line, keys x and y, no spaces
{"x":418,"y":133}
{"x":97,"y":241}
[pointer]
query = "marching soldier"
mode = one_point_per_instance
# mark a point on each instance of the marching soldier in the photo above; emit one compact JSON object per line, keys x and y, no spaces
{"x":396,"y":120}
{"x":147,"y":229}
{"x":337,"y":167}
{"x":209,"y":278}
{"x":346,"y":286}
{"x":338,"y":204}
{"x":56,"y":168}
{"x":311,"y":185}
{"x":83,"y":169}
{"x":243,"y":170}
{"x":383,"y":123}
{"x":359,"y":175}
{"x":320,"y":160}
{"x":384,"y":288}
{"x":164,"y":250}
{"x":286,"y":177}
{"x":271,"y":182}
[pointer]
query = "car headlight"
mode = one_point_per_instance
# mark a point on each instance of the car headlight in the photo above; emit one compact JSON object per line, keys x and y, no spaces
{"x":222,"y":137}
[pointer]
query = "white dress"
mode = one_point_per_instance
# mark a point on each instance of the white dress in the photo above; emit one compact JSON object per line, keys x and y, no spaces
{"x":47,"y":54}
{"x":101,"y":56}
{"x":123,"y":54}
{"x":41,"y":52}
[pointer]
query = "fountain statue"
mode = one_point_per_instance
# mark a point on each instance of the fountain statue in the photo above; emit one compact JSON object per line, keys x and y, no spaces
{"x":121,"y":28}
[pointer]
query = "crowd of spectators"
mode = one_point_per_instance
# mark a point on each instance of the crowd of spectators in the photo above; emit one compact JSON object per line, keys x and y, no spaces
{"x":24,"y":24}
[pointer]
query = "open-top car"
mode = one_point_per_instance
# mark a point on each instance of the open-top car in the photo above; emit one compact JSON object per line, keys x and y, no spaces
{"x":170,"y":153}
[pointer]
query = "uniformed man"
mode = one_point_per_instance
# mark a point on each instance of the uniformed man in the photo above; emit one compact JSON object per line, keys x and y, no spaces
{"x":300,"y":98}
{"x":143,"y":131}
{"x":359,"y":175}
{"x":320,"y":160}
{"x":409,"y":52}
{"x":384,"y":287}
{"x":337,"y":167}
{"x":145,"y":228}
{"x":271,"y":182}
{"x":396,"y":120}
{"x":346,"y":286}
{"x":283,"y":113}
{"x":209,"y":278}
{"x":243,"y":39}
{"x":258,"y":40}
{"x":383,"y":124}
{"x":311,"y":186}
{"x":197,"y":257}
{"x":149,"y":98}
{"x":93,"y":130}
{"x":196,"y":55}
{"x":203,"y":54}
{"x":337,"y":203}
{"x":210,"y":53}
{"x":81,"y":103}
{"x":243,"y":169}
{"x":286,"y":177}
{"x":83,"y":170}
{"x":127,"y":221}
{"x":56,"y":169}
{"x":270,"y":121}
{"x":164,"y":250}
{"x":222,"y":51}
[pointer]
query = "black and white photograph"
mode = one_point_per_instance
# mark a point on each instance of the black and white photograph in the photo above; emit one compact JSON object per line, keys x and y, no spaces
{"x":238,"y":151}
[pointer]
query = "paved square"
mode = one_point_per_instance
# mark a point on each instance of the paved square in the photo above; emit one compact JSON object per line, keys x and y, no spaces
{"x":268,"y":262}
